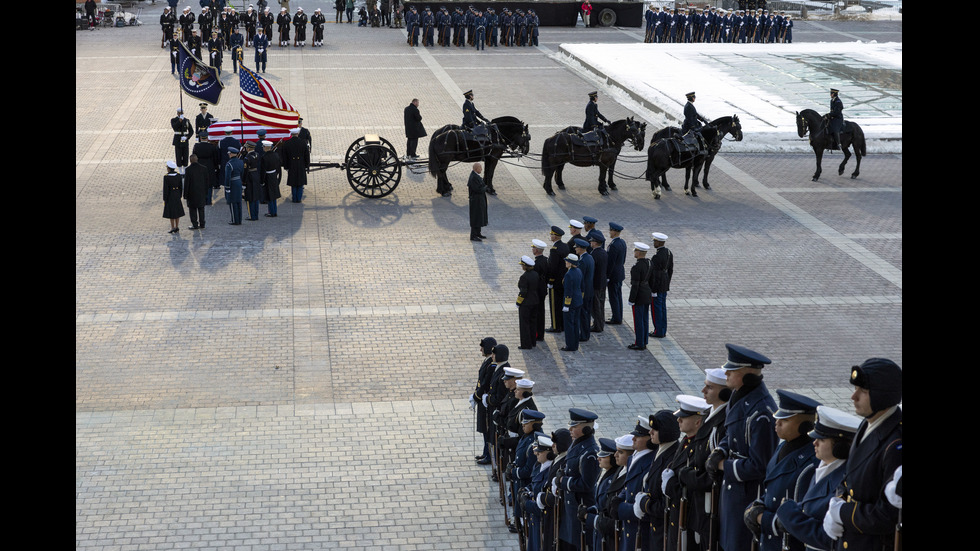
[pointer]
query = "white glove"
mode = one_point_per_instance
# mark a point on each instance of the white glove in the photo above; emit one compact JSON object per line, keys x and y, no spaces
{"x":831,"y":521}
{"x":667,"y":473}
{"x":564,"y":309}
{"x":632,"y":304}
{"x":554,"y":485}
{"x":472,"y":402}
{"x":538,"y":501}
{"x":550,"y":286}
{"x":637,"y":512}
{"x":485,"y":401}
{"x":653,"y":295}
{"x":893,"y":498}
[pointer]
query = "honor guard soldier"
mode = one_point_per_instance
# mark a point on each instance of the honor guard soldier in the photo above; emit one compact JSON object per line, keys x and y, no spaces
{"x":479,"y":397}
{"x":249,"y":20}
{"x":296,"y":159}
{"x":521,"y":472}
{"x":576,"y":483}
{"x":261,"y":44}
{"x":599,"y":517}
{"x":471,"y":115}
{"x":284,"y":21}
{"x":540,"y":524}
{"x":252,"y":182}
{"x":802,"y":517}
{"x":304,"y":134}
{"x":615,"y":273}
{"x":587,"y":515}
{"x":182,"y":135}
{"x":216,"y":47}
{"x":640,"y":296}
{"x":497,"y":390}
{"x":186,"y":21}
{"x":318,"y":21}
{"x":480,"y":28}
{"x":662,"y":271}
{"x":692,"y":120}
{"x":587,"y":266}
{"x":862,"y":517}
{"x":493,"y":27}
{"x":234,"y":169}
{"x":592,"y":114}
{"x":541,"y":267}
{"x":300,"y":20}
{"x":648,"y":505}
{"x":749,"y":442}
{"x":835,"y":119}
{"x":680,"y":498}
{"x":235,"y":43}
{"x":556,"y":276}
{"x":266,"y":20}
{"x":167,"y":22}
{"x":272,"y":169}
{"x":528,"y":299}
{"x":621,"y":504}
{"x":206,"y":23}
{"x":599,"y":279}
{"x":174,"y":52}
{"x":789,"y":471}
{"x":571,"y":302}
{"x":574,"y":232}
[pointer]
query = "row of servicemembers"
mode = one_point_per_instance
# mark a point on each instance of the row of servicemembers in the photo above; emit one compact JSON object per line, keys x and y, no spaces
{"x":717,"y":25}
{"x":729,"y":470}
{"x":229,"y":20}
{"x":473,"y":28}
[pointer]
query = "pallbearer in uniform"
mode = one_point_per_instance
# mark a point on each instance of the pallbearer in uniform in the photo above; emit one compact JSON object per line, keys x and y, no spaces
{"x":234,"y":169}
{"x":252,"y":182}
{"x":789,"y":471}
{"x":863,"y":518}
{"x":528,"y":299}
{"x":802,"y":517}
{"x":749,"y":442}
{"x":272,"y":175}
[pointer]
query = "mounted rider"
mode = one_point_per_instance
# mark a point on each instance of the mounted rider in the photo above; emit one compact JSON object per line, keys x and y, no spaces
{"x":692,"y":119}
{"x":835,"y":119}
{"x":592,"y":118}
{"x":471,"y":115}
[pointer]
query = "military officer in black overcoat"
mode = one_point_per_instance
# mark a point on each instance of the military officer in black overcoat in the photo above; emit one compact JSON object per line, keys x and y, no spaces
{"x":692,"y":120}
{"x":479,"y":397}
{"x":252,"y":181}
{"x":209,"y":156}
{"x":295,"y":157}
{"x":272,"y":175}
{"x":615,"y":273}
{"x":197,"y":191}
{"x":556,"y":274}
{"x":601,"y":259}
{"x":541,"y":267}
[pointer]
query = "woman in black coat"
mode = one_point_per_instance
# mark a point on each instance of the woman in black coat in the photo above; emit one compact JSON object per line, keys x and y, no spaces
{"x":173,"y":191}
{"x":478,"y":203}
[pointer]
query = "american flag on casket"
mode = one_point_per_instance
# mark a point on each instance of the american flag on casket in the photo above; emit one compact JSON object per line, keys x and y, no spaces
{"x":245,"y":131}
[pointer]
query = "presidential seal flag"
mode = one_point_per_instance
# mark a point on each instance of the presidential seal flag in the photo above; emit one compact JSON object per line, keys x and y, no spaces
{"x":197,"y":79}
{"x":263,"y":104}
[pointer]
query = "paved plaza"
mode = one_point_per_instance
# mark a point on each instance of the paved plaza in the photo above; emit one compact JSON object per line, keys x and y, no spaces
{"x":301,"y":382}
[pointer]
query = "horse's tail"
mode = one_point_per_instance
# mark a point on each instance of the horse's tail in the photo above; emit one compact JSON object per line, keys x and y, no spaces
{"x":859,"y":141}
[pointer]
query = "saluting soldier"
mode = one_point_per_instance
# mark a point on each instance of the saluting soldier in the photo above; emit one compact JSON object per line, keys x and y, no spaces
{"x":182,"y":134}
{"x":295,"y":159}
{"x":788,"y":473}
{"x":749,"y":442}
{"x":863,"y":518}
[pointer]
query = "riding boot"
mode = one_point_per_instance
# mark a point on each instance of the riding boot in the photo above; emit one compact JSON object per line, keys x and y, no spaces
{"x":837,"y":142}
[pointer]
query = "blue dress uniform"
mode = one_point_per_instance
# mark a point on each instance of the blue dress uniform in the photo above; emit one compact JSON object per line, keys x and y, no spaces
{"x":803,"y":516}
{"x":637,"y":471}
{"x":749,"y":443}
{"x":234,"y":169}
{"x":572,"y":302}
{"x":592,"y":114}
{"x":587,"y":265}
{"x":533,"y":22}
{"x":261,"y":44}
{"x":616,"y":274}
{"x":236,"y":43}
{"x":790,"y":470}
{"x":471,"y":115}
{"x":428,"y":27}
{"x":480,"y":26}
{"x":528,"y":500}
{"x":651,"y":503}
{"x":493,"y":24}
{"x":867,"y":518}
{"x":600,"y":496}
{"x":578,"y":478}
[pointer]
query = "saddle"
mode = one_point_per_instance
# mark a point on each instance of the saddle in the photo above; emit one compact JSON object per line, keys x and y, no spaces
{"x":594,"y":139}
{"x":479,"y":133}
{"x":683,"y":149}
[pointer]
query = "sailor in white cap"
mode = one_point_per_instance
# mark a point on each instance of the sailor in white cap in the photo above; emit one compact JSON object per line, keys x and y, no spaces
{"x":574,"y":232}
{"x":662,"y":265}
{"x":299,"y":22}
{"x":572,"y":302}
{"x":640,"y":295}
{"x":318,"y":21}
{"x":284,"y":21}
{"x":613,"y":456}
{"x":528,"y":303}
{"x":541,"y":267}
{"x":690,"y":416}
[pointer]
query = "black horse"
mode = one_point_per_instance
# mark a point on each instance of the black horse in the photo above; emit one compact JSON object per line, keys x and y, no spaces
{"x":453,"y":143}
{"x":663,"y":154}
{"x":566,"y":146}
{"x":725,"y":125}
{"x":810,"y":121}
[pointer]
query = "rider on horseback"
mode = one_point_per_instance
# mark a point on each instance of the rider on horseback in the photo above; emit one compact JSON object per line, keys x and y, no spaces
{"x":835,"y":119}
{"x":593,"y":116}
{"x":470,"y":113}
{"x":692,"y":120}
